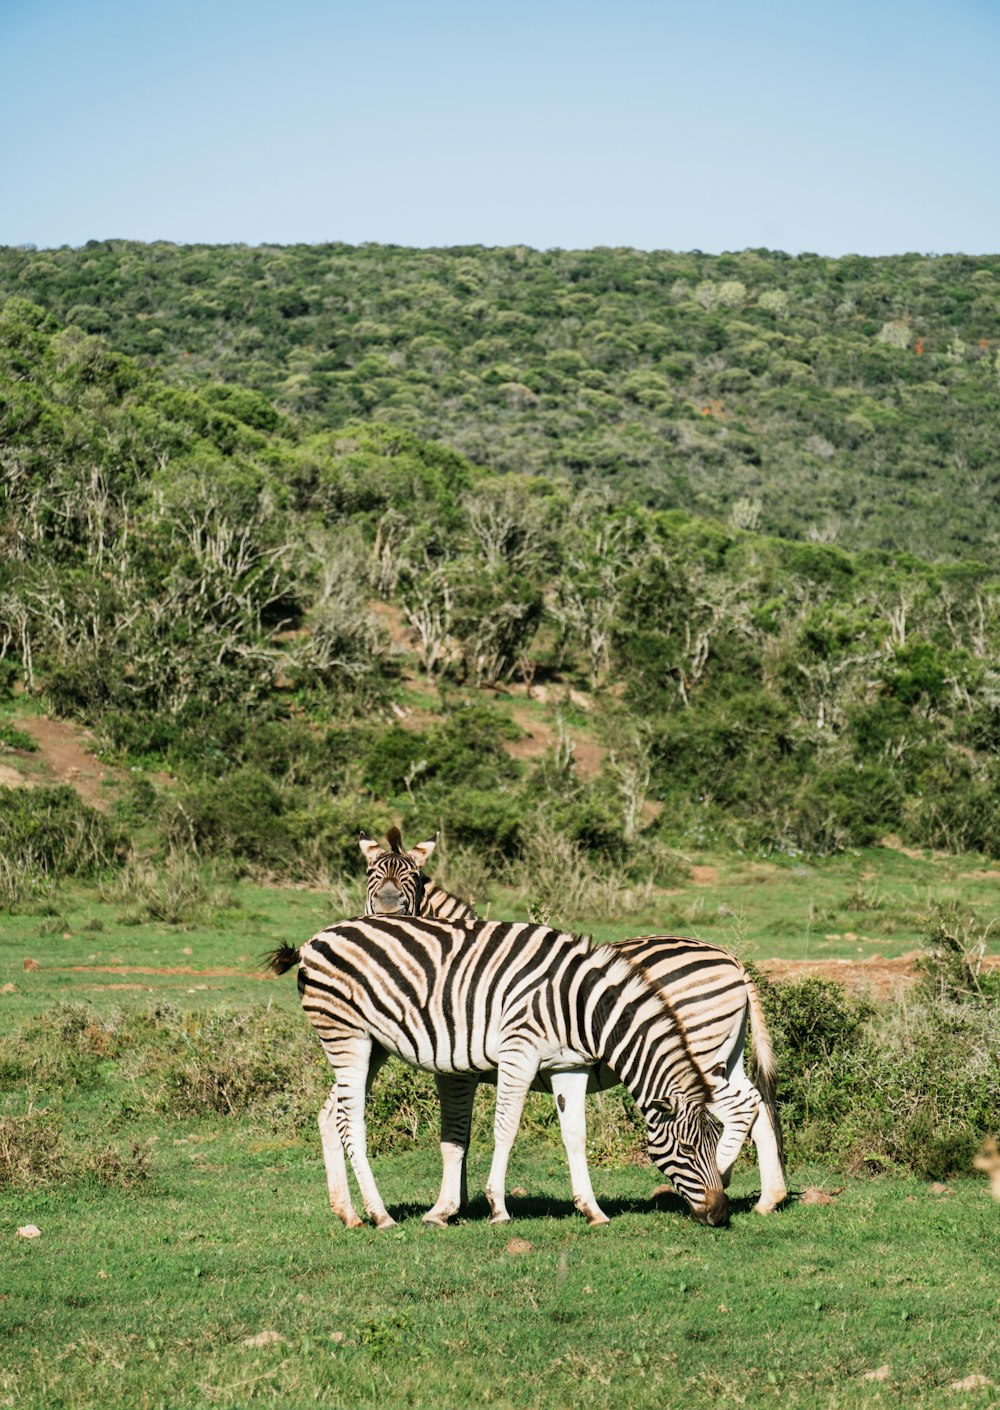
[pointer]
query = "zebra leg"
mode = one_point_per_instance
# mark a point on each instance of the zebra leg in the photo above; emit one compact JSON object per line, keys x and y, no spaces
{"x":349,"y":1095}
{"x":336,"y":1167}
{"x":570,"y":1092}
{"x":735,"y":1104}
{"x":513,"y":1080}
{"x":762,"y":1130}
{"x":772,"y":1174}
{"x":455,"y":1093}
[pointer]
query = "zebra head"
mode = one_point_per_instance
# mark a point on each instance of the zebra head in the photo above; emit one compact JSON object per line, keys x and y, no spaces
{"x":394,"y":883}
{"x":682,"y":1142}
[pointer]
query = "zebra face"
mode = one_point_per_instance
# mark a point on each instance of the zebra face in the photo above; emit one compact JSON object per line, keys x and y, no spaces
{"x":682,"y":1143}
{"x":394,"y":882}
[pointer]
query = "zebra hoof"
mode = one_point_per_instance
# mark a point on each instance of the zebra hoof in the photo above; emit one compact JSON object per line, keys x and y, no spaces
{"x":503,"y":1218}
{"x":437,"y":1218}
{"x":387,"y":1223}
{"x":597,"y":1218}
{"x":769,"y":1205}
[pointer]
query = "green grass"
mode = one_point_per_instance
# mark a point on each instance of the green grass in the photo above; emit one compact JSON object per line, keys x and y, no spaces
{"x":156,"y":1263}
{"x":148,"y":1299}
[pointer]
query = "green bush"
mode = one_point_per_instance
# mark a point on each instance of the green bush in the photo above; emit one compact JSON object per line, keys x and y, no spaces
{"x":911,"y":1084}
{"x":48,"y":833}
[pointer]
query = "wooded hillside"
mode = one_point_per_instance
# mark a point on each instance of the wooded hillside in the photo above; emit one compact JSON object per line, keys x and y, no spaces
{"x":854,"y":401}
{"x":309,"y":627}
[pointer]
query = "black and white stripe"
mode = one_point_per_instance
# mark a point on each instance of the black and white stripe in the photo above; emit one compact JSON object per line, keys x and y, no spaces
{"x":519,"y":1000}
{"x":715,"y":999}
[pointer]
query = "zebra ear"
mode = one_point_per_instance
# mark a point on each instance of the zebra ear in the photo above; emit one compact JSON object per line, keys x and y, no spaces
{"x":422,"y":851}
{"x":370,"y":849}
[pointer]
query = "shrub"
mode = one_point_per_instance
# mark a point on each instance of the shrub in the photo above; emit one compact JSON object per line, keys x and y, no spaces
{"x":33,"y":1153}
{"x":912,"y":1084}
{"x":175,"y":891}
{"x":47,"y":833}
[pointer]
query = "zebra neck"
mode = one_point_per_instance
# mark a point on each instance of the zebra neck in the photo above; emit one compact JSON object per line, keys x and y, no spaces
{"x":634,"y":1031}
{"x":438,"y":904}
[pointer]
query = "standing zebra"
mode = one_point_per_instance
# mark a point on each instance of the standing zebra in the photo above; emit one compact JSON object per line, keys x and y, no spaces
{"x":714,"y":998}
{"x":512,"y":998}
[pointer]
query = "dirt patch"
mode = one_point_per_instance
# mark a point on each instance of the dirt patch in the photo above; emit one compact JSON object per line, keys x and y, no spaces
{"x":389,"y":617}
{"x":704,"y":876}
{"x":64,"y":751}
{"x":135,"y":988}
{"x":10,"y":778}
{"x":161,"y":969}
{"x":588,"y":757}
{"x":883,"y":978}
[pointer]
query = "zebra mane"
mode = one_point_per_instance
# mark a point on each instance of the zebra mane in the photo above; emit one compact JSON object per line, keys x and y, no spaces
{"x":395,"y":839}
{"x":635,"y":985}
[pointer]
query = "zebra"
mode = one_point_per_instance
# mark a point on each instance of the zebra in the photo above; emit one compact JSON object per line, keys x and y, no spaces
{"x":712,"y":993}
{"x":396,"y":885}
{"x":513,"y":998}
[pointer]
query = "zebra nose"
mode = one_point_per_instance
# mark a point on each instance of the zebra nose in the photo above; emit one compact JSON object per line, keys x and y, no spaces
{"x":390,"y":901}
{"x":715,"y":1210}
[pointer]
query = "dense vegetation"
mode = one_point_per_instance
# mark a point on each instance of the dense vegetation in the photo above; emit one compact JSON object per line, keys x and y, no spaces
{"x":306,"y":537}
{"x":195,"y":575}
{"x":853,"y":399}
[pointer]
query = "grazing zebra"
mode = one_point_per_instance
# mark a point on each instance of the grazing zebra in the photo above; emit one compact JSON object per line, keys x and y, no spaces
{"x":516,"y":999}
{"x":395,"y":884}
{"x":713,"y":995}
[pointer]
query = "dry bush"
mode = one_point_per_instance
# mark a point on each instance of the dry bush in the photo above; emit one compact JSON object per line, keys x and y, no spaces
{"x":556,"y":877}
{"x":33,"y":1153}
{"x":175,"y":891}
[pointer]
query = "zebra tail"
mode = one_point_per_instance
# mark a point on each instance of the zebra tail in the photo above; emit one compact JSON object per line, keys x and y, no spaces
{"x":765,"y":1067}
{"x":279,"y":961}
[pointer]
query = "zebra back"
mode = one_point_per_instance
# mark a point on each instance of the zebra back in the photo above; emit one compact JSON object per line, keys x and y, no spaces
{"x":708,"y":988}
{"x":439,"y":904}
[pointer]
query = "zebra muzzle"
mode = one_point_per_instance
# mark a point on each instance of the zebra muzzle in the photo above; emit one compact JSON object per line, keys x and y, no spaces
{"x":715,"y":1210}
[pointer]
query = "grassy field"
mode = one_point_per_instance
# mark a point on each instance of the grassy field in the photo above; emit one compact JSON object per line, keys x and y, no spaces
{"x":187,"y":1256}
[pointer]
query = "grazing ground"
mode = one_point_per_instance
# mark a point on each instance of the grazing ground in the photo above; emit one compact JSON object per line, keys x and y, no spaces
{"x":186,"y":1256}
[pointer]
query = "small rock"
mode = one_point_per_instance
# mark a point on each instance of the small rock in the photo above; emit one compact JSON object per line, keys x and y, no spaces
{"x":812,"y":1195}
{"x":30,"y":964}
{"x":29,"y":1231}
{"x":264,"y":1339}
{"x":8,"y":988}
{"x":882,"y":1373}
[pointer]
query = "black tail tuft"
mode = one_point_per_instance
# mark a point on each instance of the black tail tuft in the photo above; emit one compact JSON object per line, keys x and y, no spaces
{"x":284,"y":958}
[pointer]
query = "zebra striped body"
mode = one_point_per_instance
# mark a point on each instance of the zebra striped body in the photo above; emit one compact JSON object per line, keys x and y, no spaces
{"x":518,"y":999}
{"x":716,"y":1002}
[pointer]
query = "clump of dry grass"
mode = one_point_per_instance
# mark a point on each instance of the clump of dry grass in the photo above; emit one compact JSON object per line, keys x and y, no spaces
{"x":557,"y":878}
{"x":176,"y":890}
{"x":33,"y":1153}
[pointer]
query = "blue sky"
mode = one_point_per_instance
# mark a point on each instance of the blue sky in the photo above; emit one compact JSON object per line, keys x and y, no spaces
{"x":869,"y":128}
